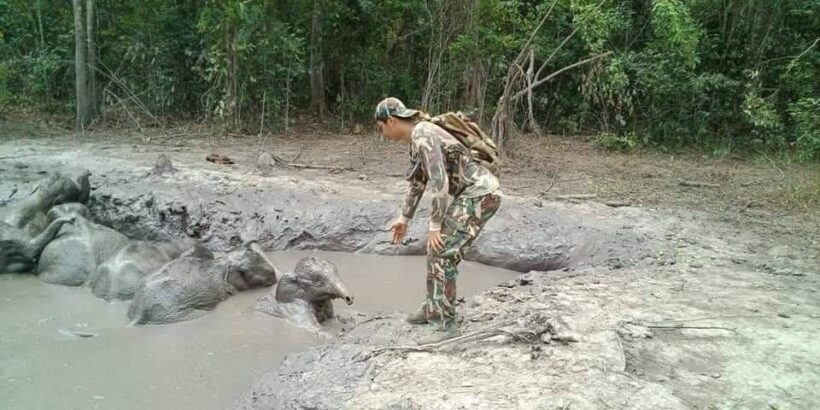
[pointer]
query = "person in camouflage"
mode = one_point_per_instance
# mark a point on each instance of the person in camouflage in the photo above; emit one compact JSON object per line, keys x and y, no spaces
{"x":439,"y":160}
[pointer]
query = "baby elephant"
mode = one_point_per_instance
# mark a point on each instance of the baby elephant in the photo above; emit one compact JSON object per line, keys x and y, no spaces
{"x":78,"y":249}
{"x":305,"y":295}
{"x":120,"y":275}
{"x":29,"y":214}
{"x":196,"y":282}
{"x":19,"y":251}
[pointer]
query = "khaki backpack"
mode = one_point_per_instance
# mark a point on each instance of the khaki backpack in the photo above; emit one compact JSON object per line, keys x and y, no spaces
{"x":468,"y":133}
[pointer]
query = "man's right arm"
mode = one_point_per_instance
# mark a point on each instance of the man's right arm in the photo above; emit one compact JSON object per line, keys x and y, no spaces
{"x":412,"y":198}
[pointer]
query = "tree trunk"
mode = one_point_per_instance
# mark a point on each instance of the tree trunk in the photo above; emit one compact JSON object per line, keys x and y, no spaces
{"x":80,"y":67}
{"x":500,"y":124}
{"x":91,"y":72}
{"x":317,"y":81}
{"x":287,"y":103}
{"x":230,"y":89}
{"x":40,"y":24}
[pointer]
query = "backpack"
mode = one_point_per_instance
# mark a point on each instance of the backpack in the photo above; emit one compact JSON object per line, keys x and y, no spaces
{"x":470,"y":135}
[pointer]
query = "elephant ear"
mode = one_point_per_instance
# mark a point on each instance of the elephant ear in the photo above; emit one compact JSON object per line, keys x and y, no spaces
{"x":254,"y":247}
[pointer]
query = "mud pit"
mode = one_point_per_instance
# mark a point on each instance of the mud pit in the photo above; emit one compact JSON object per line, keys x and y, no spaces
{"x":73,"y":350}
{"x":671,"y":308}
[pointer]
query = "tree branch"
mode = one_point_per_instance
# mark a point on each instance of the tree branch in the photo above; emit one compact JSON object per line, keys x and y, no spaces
{"x":556,"y":73}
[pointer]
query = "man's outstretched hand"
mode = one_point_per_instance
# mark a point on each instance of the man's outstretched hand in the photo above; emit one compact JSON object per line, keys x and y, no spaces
{"x":399,"y":229}
{"x":434,"y":242}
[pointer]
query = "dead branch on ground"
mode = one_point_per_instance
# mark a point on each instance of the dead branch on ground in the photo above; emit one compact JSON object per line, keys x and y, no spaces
{"x":697,"y":184}
{"x":531,"y":329}
{"x":577,"y":197}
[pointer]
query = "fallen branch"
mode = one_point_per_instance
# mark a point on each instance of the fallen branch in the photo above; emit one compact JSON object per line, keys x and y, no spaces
{"x":690,"y":327}
{"x":576,"y":196}
{"x":531,"y":330}
{"x":617,"y":204}
{"x":465,"y":338}
{"x":681,"y":326}
{"x":292,"y":164}
{"x":330,"y":167}
{"x":697,"y":184}
{"x":372,"y":319}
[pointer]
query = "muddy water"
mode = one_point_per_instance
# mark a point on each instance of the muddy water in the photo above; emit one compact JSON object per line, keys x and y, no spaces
{"x":62,"y":348}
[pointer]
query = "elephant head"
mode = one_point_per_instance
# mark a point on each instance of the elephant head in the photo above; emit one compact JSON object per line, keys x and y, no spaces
{"x":305,"y":295}
{"x":60,"y":189}
{"x":249,"y":268}
{"x":313,"y":280}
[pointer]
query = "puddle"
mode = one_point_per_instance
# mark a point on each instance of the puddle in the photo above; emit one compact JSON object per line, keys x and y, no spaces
{"x":60,"y":347}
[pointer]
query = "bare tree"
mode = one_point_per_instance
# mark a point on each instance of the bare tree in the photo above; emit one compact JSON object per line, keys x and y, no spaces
{"x":85,"y":64}
{"x":93,"y":92}
{"x":448,"y":18}
{"x":520,"y":71}
{"x":317,"y":81}
{"x":38,"y":8}
{"x":476,"y":72}
{"x":83,"y":116}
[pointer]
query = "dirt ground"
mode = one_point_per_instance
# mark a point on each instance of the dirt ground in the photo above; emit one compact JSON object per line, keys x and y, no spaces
{"x":732,"y":323}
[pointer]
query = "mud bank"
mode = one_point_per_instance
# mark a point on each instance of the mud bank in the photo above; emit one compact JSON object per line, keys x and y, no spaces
{"x":224,"y":206}
{"x":224,"y":211}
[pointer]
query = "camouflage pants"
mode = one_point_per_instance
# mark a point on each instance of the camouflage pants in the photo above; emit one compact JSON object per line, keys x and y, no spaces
{"x":463,"y":222}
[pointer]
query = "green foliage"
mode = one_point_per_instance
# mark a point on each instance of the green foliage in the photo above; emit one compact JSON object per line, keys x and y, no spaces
{"x":247,"y":58}
{"x":721,"y":75}
{"x":805,"y":113}
{"x":766,"y":124}
{"x":676,"y":34}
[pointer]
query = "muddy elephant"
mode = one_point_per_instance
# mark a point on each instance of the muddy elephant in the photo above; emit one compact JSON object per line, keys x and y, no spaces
{"x":73,"y":256}
{"x":120,"y":275}
{"x":29,"y":214}
{"x":19,"y":251}
{"x":305,"y":295}
{"x":196,"y":282}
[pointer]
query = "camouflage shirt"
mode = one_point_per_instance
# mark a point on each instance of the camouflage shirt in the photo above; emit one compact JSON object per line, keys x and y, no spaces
{"x":448,"y":167}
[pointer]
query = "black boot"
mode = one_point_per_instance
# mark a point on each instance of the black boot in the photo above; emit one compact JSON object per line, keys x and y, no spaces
{"x":418,"y":317}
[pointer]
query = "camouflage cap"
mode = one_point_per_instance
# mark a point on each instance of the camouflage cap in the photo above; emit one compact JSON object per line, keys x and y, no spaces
{"x":392,"y":106}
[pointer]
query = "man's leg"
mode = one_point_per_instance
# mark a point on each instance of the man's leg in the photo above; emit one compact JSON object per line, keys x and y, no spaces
{"x":465,"y":219}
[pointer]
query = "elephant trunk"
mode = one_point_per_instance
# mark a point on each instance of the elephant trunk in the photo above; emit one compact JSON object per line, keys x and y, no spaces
{"x":36,"y":245}
{"x":341,"y":290}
